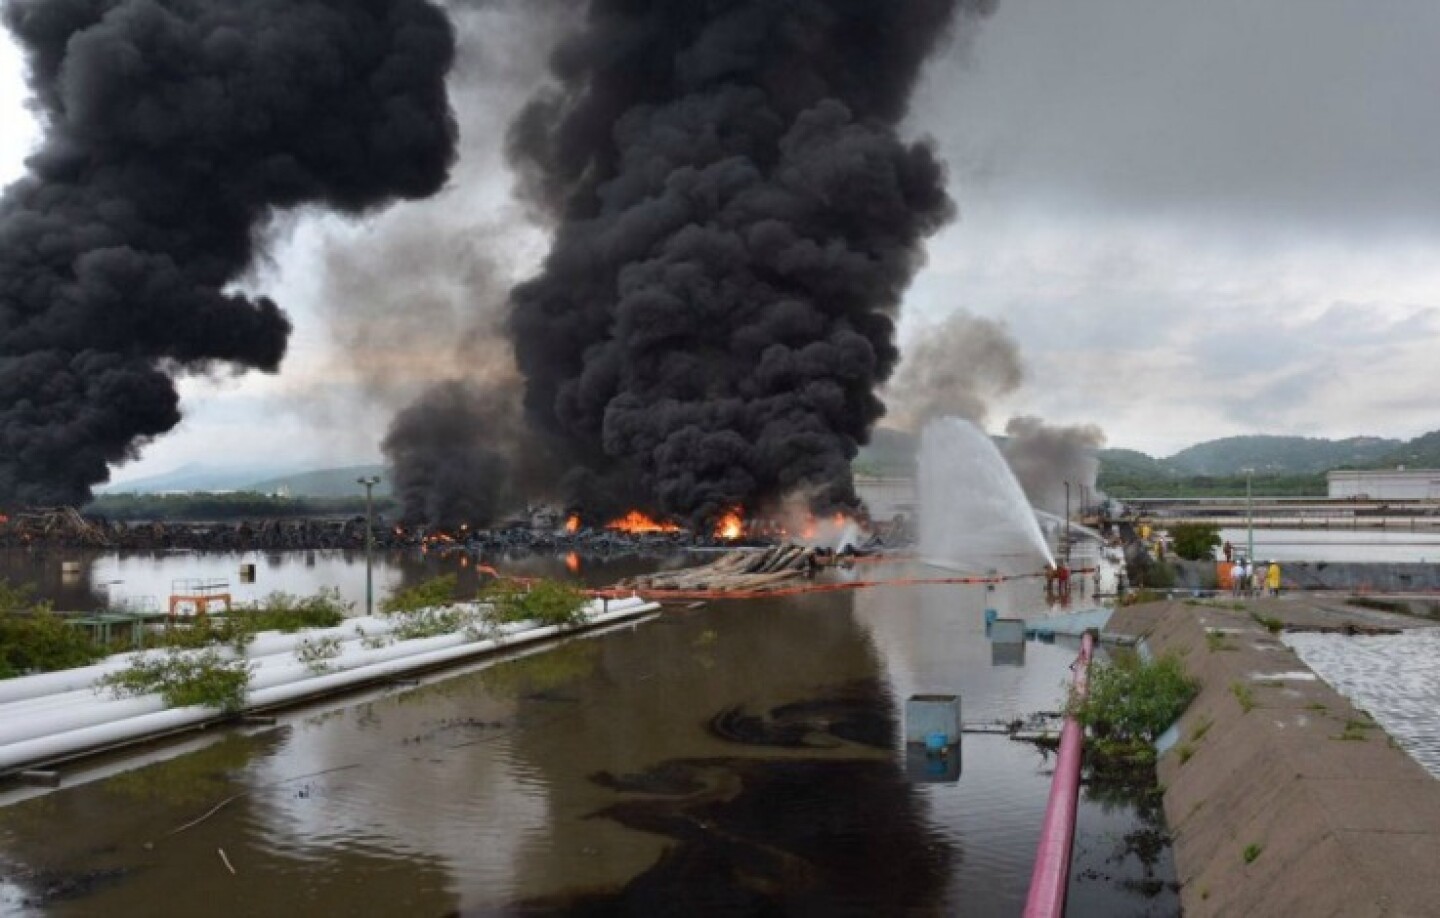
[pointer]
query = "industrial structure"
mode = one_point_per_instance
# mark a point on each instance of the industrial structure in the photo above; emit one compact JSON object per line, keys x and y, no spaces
{"x":1385,"y":484}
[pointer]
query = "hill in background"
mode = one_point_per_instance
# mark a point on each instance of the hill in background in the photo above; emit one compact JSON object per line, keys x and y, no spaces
{"x":1281,"y":455}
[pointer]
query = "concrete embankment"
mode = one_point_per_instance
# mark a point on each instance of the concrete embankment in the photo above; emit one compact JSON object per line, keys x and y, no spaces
{"x":1282,"y":797}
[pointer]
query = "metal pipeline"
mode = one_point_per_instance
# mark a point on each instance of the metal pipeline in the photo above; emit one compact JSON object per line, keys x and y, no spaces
{"x":1050,"y":879}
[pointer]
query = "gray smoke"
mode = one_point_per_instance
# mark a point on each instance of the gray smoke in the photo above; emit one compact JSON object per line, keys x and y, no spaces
{"x":174,"y":131}
{"x":1045,"y":457}
{"x":416,"y":300}
{"x":954,"y":369}
{"x":737,"y":220}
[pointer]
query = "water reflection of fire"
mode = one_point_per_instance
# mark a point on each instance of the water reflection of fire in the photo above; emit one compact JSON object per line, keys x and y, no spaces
{"x":572,"y":525}
{"x":572,"y":562}
{"x":731,"y":525}
{"x":636,"y":523}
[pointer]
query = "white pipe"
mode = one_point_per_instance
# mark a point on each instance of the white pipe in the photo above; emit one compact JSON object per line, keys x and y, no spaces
{"x":429,"y":652}
{"x":82,"y":677}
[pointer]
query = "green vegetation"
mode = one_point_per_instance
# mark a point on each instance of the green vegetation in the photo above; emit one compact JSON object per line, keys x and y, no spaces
{"x":1202,"y":728}
{"x":1251,"y":852}
{"x":185,"y":678}
{"x":1269,"y":622}
{"x":1130,"y":702}
{"x":1195,"y":541}
{"x":1218,"y":640}
{"x":430,"y":609}
{"x":1355,"y":730}
{"x":316,"y":653}
{"x":33,"y":639}
{"x":548,"y":602}
{"x":231,"y":506}
{"x":276,"y":612}
{"x":1242,"y":694}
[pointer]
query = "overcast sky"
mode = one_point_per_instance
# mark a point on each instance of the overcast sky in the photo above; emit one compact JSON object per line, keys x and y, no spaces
{"x":1197,"y":220}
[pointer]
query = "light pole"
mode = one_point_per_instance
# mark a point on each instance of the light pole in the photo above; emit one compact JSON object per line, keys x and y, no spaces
{"x":1249,"y":519}
{"x":369,"y":481}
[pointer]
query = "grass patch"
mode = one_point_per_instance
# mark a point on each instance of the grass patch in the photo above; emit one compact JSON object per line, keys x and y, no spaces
{"x":1202,"y":728}
{"x":1186,"y":751}
{"x":1269,"y":622}
{"x":1242,"y":694}
{"x":1354,"y":731}
{"x":1251,"y":852}
{"x":1217,"y":641}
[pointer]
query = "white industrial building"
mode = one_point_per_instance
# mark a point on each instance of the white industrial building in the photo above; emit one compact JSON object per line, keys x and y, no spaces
{"x":1385,"y":484}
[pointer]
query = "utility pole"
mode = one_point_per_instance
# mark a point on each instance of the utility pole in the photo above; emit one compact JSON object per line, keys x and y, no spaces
{"x":369,"y":481}
{"x":1249,"y":519}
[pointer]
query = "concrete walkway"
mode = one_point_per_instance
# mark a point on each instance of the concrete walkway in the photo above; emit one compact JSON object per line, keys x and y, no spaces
{"x":1282,"y":798}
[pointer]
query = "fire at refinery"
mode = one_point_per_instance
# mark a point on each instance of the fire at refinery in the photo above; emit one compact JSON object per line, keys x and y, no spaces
{"x":637,"y":523}
{"x":731,"y":525}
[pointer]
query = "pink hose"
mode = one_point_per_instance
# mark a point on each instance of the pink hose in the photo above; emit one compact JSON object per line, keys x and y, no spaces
{"x":1051,"y":876}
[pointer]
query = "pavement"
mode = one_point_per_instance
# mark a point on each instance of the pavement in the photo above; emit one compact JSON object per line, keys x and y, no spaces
{"x":1281,"y":796}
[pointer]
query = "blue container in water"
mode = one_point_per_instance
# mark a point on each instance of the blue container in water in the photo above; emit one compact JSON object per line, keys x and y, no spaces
{"x":935,"y":743}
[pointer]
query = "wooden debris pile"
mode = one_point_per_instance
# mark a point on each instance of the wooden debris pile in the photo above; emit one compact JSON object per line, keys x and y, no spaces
{"x":737,"y":571}
{"x":63,"y":525}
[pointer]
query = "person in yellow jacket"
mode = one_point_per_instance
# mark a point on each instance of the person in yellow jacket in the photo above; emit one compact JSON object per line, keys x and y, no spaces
{"x":1272,"y":579}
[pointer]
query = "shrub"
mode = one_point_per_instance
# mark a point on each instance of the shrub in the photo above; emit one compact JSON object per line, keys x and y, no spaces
{"x":33,"y":639}
{"x":1195,"y":541}
{"x":439,"y":591}
{"x":185,"y":679}
{"x":548,"y":602}
{"x":1131,"y":702}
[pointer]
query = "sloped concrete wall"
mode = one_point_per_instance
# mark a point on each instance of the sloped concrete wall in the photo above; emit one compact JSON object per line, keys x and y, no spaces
{"x":1282,"y":798}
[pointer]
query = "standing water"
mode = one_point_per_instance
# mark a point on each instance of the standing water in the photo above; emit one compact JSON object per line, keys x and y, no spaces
{"x":973,"y":511}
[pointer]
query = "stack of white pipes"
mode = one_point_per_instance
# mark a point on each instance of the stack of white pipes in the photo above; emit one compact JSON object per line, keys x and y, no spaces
{"x":54,"y":715}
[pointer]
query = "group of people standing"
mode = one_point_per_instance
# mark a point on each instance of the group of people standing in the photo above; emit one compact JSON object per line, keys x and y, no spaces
{"x":1254,"y":580}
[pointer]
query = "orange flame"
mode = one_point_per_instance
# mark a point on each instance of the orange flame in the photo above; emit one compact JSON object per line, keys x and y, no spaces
{"x":731,"y":525}
{"x":637,"y":522}
{"x":572,"y":562}
{"x":572,"y":525}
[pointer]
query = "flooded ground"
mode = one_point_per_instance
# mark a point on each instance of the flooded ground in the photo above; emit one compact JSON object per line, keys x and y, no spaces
{"x":1394,"y":677}
{"x":740,"y":758}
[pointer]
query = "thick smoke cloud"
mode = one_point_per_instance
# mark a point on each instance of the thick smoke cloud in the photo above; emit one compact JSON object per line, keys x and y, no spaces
{"x":1044,"y":457}
{"x":450,"y":454}
{"x":954,"y":369}
{"x":737,"y":220}
{"x":175,"y":129}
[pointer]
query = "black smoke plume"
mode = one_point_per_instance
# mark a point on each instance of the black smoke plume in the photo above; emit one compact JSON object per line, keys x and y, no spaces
{"x":174,"y":131}
{"x":736,"y":222}
{"x":450,"y":452}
